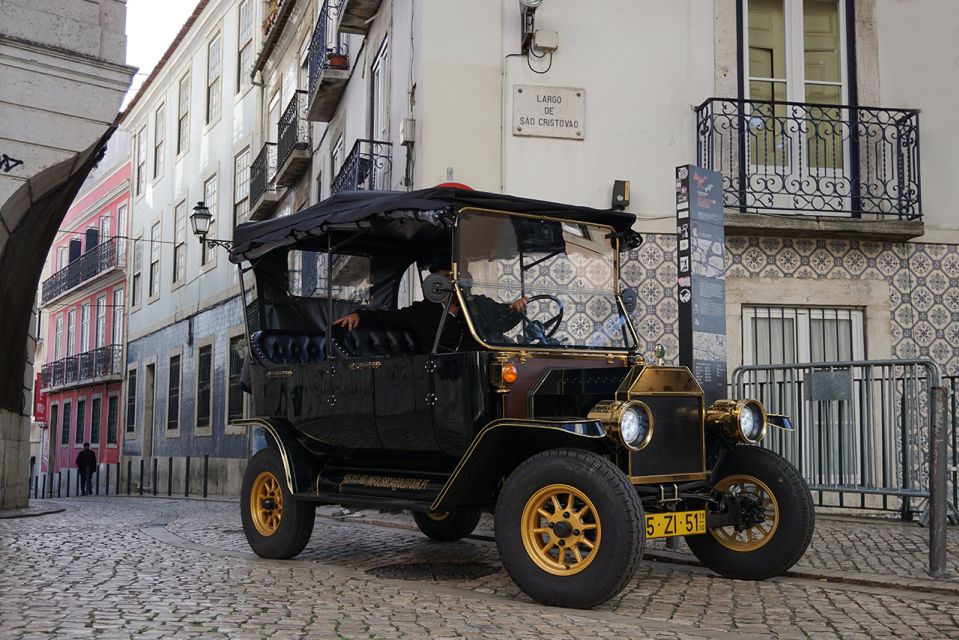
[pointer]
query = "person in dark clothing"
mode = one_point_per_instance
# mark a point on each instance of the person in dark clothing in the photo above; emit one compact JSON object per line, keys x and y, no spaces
{"x":86,"y":465}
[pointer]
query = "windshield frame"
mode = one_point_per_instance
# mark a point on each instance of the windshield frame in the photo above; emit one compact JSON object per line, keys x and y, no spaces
{"x":578,"y":350}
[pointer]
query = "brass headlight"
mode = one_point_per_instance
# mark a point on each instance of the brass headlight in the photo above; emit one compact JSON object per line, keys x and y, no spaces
{"x":631,"y":419}
{"x":744,"y":420}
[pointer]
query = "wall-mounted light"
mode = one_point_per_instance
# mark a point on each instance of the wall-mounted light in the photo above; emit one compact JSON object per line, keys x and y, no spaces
{"x":200,"y":221}
{"x":527,"y":15}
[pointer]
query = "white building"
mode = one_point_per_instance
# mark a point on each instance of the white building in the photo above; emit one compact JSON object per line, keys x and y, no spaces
{"x":192,"y":124}
{"x":62,"y":79}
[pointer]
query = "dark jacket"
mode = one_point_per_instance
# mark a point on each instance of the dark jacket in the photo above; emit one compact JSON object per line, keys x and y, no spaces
{"x":422,"y":319}
{"x":86,"y":459}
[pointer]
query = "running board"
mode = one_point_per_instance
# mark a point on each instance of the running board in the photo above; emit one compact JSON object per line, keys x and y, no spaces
{"x":365,"y":501}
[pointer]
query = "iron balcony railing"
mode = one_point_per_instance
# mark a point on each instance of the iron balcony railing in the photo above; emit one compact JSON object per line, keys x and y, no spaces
{"x":368,"y":167}
{"x":294,"y":129}
{"x":103,"y":257}
{"x":326,"y":51}
{"x":87,"y":366}
{"x":262,"y":173}
{"x":816,"y":158}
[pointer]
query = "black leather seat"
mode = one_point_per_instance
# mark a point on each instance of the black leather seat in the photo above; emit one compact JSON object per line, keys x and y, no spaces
{"x":286,"y":347}
{"x":373,"y":342}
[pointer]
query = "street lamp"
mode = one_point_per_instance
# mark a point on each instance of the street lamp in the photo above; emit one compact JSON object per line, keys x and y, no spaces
{"x":200,"y":221}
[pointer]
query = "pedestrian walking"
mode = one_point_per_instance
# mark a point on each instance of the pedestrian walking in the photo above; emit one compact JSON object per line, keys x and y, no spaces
{"x":86,"y":464}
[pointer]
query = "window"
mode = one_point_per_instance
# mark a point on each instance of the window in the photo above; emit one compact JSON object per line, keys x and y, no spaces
{"x":121,"y":233}
{"x":131,"y":400}
{"x":136,"y":280}
{"x":155,"y":260}
{"x":71,"y":332}
{"x":244,"y":65}
{"x":67,"y":420}
{"x":379,"y":99}
{"x":204,"y":373}
{"x":183,"y":116}
{"x":58,"y":339}
{"x":81,"y":417}
{"x":336,"y":156}
{"x":141,"y":159}
{"x":158,"y":136}
{"x":213,"y":89}
{"x":173,"y":394}
{"x":85,"y":327}
{"x":104,"y":229}
{"x":241,"y":184}
{"x":95,"y":421}
{"x":351,"y":279}
{"x":54,"y":422}
{"x":235,"y":393}
{"x":787,"y":335}
{"x":113,"y":407}
{"x":179,"y":243}
{"x":118,"y":317}
{"x":101,"y":322}
{"x":209,"y":198}
{"x":63,"y":258}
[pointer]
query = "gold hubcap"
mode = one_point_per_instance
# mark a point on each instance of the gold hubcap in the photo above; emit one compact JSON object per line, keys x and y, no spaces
{"x":266,"y":503}
{"x":758,"y":534}
{"x":437,"y":516}
{"x":561,"y":529}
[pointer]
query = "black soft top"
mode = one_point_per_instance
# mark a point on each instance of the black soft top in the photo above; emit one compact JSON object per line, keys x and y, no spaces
{"x":433,"y":207}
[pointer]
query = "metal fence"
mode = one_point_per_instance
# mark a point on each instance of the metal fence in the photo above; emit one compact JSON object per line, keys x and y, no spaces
{"x":862,"y":429}
{"x":106,"y":255}
{"x":262,"y":173}
{"x":368,"y":167}
{"x":162,"y":476}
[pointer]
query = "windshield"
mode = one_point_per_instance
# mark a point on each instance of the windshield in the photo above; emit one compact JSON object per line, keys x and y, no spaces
{"x":564,"y":272}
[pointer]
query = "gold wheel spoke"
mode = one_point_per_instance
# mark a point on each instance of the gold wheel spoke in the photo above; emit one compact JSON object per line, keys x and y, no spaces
{"x":541,"y":530}
{"x":569,"y":502}
{"x":543,"y":512}
{"x":556,"y":506}
{"x":588,"y":544}
{"x":579,"y":556}
{"x":588,"y":527}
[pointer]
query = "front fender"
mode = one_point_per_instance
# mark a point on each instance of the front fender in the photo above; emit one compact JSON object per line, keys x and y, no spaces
{"x":502,"y":445}
{"x":298,"y":463}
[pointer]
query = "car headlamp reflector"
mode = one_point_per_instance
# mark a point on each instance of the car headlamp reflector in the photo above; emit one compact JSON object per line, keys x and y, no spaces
{"x":633,"y":420}
{"x":744,"y":420}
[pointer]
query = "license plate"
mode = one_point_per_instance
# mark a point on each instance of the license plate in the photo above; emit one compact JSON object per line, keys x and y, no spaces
{"x":675,"y":523}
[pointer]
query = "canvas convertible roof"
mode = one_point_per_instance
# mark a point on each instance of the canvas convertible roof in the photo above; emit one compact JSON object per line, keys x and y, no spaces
{"x":429,"y":206}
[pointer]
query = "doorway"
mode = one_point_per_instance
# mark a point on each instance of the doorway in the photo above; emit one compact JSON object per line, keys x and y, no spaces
{"x":149,"y":396}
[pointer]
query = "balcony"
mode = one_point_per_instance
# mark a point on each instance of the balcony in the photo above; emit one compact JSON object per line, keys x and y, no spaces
{"x":329,"y":67}
{"x":355,"y":15}
{"x":104,"y":257}
{"x":91,"y":367}
{"x":834,"y":169}
{"x":368,"y":167}
{"x":263,"y":195}
{"x":293,"y":147}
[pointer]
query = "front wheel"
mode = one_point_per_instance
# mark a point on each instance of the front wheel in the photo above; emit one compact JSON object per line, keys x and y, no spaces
{"x":275,"y":523}
{"x":777,"y":511}
{"x":569,"y":528}
{"x":447,"y":526}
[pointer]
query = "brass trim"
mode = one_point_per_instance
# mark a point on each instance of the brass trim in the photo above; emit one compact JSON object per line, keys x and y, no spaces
{"x":249,"y":422}
{"x":679,"y":477}
{"x":281,"y":373}
{"x":373,"y":364}
{"x":503,"y":422}
{"x":607,"y":353}
{"x":610,"y":414}
{"x":724,"y":416}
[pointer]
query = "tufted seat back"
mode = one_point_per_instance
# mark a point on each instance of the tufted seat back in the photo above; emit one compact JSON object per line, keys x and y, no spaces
{"x":373,"y":342}
{"x":285,"y":347}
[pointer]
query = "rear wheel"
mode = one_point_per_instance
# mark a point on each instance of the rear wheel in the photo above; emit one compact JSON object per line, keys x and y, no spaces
{"x":779,"y":514}
{"x":447,"y":526}
{"x":275,"y":523}
{"x":569,"y":528}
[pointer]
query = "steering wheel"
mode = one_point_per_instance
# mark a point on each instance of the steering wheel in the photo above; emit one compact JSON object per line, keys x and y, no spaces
{"x":542,"y":330}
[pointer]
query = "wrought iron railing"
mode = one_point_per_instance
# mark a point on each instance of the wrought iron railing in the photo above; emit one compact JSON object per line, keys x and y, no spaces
{"x":294,"y":129}
{"x":87,"y":366}
{"x":816,"y":158}
{"x":322,"y":56}
{"x":368,"y":167}
{"x":262,"y":172}
{"x":100,"y":258}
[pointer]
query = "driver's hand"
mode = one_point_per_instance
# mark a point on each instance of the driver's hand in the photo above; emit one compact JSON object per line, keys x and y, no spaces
{"x":519,"y":305}
{"x":351,"y":321}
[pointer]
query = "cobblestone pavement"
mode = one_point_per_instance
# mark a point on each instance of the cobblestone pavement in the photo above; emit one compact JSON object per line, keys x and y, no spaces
{"x":122,"y":567}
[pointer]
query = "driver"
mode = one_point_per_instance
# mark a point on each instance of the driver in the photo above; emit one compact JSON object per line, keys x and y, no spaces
{"x":422,"y":318}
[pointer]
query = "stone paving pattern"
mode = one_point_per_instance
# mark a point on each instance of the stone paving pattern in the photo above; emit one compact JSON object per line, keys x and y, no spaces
{"x":124,"y":567}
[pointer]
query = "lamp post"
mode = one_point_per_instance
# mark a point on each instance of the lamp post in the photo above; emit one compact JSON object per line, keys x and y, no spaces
{"x":200,"y":221}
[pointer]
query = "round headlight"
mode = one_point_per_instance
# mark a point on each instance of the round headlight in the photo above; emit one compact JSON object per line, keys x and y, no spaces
{"x":751,"y":422}
{"x":634,"y":427}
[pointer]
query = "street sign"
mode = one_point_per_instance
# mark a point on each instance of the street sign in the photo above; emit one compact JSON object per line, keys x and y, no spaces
{"x":549,"y":112}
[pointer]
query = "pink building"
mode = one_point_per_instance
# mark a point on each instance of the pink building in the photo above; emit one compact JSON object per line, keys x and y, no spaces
{"x":84,"y":299}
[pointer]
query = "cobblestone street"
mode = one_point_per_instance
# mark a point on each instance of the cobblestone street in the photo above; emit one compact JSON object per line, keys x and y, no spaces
{"x":119,"y":567}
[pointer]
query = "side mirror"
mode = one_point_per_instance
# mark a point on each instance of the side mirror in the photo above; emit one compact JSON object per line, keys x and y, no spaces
{"x":437,"y":287}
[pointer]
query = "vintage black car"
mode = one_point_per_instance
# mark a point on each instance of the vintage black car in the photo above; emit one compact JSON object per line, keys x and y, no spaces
{"x":544,"y":413}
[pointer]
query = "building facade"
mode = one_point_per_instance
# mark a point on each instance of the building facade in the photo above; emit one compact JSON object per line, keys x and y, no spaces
{"x":63,"y":81}
{"x":192,"y":127}
{"x":83,"y":301}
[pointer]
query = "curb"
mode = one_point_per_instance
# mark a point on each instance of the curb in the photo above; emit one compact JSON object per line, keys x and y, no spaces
{"x":32,"y":514}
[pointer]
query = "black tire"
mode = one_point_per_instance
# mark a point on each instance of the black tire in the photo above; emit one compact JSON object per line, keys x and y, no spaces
{"x":270,"y":534}
{"x":447,"y":527}
{"x":788,"y":536}
{"x":527,"y":555}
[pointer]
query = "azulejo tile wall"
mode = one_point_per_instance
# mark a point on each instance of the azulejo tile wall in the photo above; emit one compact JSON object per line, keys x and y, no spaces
{"x":923,"y":281}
